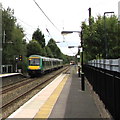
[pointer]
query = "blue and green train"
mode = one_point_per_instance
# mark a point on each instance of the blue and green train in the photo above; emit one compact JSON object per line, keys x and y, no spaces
{"x":39,"y":64}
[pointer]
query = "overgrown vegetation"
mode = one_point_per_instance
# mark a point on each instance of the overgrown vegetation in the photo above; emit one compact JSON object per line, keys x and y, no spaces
{"x":94,"y":37}
{"x":14,"y":43}
{"x":101,"y":32}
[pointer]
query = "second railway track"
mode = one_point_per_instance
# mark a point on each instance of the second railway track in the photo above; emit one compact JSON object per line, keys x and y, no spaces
{"x":16,"y":95}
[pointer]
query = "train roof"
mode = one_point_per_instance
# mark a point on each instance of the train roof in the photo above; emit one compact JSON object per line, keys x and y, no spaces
{"x":38,"y":56}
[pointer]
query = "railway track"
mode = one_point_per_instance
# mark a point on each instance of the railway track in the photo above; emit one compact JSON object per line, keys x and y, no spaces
{"x":23,"y":91}
{"x":16,"y":85}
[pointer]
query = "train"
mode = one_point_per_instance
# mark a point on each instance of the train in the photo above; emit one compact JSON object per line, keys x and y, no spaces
{"x":72,"y":62}
{"x":39,"y":65}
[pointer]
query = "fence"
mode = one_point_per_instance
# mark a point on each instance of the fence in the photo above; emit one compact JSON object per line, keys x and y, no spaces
{"x":106,"y":84}
{"x":6,"y":68}
{"x":109,"y":64}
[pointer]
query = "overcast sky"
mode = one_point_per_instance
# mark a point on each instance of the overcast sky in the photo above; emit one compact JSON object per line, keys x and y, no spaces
{"x":65,"y":15}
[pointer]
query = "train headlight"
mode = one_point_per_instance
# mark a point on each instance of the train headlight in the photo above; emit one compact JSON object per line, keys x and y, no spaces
{"x":34,"y":67}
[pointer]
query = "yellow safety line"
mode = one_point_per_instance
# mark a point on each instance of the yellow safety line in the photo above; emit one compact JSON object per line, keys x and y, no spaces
{"x":46,"y":109}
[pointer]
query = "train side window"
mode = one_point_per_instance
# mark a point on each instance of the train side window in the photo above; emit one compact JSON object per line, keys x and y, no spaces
{"x":43,"y":62}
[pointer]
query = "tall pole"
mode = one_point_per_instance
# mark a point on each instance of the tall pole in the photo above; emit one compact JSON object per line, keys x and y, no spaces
{"x":105,"y":37}
{"x":0,"y":38}
{"x":79,"y":62}
{"x":82,"y":73}
{"x":1,"y":59}
{"x":118,"y":22}
{"x":119,"y":11}
{"x":81,"y":58}
{"x":89,"y":16}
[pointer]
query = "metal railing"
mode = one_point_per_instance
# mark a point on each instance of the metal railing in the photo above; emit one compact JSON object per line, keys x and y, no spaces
{"x":106,"y":84}
{"x":6,"y":69}
{"x":109,"y":64}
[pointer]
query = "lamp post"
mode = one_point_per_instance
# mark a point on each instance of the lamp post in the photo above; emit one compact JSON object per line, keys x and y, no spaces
{"x":0,"y":38}
{"x":106,"y":45}
{"x":82,"y":74}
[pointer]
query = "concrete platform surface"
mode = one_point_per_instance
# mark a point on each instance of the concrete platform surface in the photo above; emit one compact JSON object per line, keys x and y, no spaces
{"x":63,"y":98}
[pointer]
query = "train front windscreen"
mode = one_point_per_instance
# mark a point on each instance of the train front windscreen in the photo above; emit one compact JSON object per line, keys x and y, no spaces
{"x":34,"y":62}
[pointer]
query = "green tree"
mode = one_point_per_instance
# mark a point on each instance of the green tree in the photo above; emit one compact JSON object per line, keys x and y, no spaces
{"x":94,"y":37}
{"x":48,"y":52}
{"x":19,"y":45}
{"x":8,"y":23}
{"x":54,"y":48}
{"x":37,"y":35}
{"x":12,"y":38}
{"x":34,"y":48}
{"x":112,"y":36}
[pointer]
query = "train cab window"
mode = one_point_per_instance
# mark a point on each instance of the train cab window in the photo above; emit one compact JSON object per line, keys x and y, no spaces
{"x":34,"y":62}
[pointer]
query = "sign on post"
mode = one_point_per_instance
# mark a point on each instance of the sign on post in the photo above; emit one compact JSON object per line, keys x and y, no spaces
{"x":78,"y":56}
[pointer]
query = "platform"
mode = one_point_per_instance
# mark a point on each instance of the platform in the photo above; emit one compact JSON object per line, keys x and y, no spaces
{"x":10,"y":78}
{"x":9,"y":74}
{"x":62,"y":98}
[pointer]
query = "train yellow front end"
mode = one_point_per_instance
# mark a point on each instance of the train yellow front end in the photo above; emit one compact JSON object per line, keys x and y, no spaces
{"x":35,"y":66}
